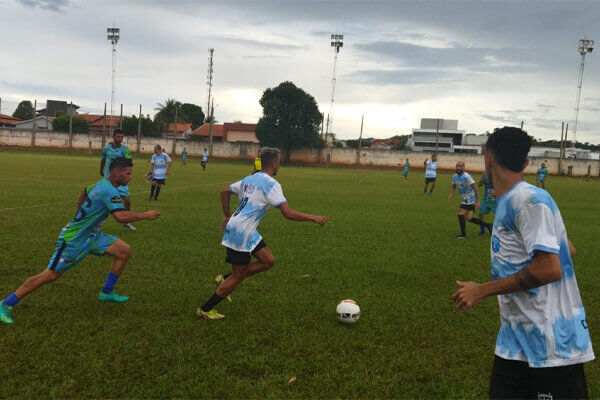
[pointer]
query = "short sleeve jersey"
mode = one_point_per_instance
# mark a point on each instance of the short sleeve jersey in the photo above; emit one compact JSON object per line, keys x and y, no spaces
{"x":406,"y":167}
{"x":205,"y":156}
{"x":541,"y":174}
{"x":256,"y":194}
{"x":101,"y":199}
{"x":184,"y":154}
{"x":488,"y":197}
{"x":160,"y":165}
{"x":109,"y":153}
{"x":545,"y":326}
{"x":464,"y":182}
{"x":431,"y":169}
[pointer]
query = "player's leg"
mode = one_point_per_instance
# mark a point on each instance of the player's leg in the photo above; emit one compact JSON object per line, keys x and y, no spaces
{"x":426,"y":184}
{"x":158,"y":186}
{"x":477,"y":221}
{"x":509,"y":380}
{"x":120,"y":252}
{"x":462,"y":224}
{"x":152,"y":189}
{"x":544,"y":185}
{"x":482,"y":213}
{"x":432,"y":186}
{"x":566,"y":382}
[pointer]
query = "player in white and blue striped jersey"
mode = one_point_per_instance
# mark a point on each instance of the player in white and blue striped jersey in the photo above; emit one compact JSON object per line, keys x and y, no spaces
{"x":161,"y":165}
{"x":470,"y":199}
{"x":544,"y":338}
{"x":430,"y":174}
{"x":256,"y":193}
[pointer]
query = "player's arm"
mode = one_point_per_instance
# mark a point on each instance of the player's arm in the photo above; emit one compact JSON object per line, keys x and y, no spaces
{"x":169,"y":164}
{"x":294,"y":215}
{"x":476,"y":195}
{"x":544,"y":269}
{"x":102,"y":165}
{"x":481,"y":181}
{"x":81,"y":198}
{"x":226,"y":206}
{"x":124,"y":217}
{"x":425,"y":162}
{"x":571,"y":249}
{"x":452,"y":189}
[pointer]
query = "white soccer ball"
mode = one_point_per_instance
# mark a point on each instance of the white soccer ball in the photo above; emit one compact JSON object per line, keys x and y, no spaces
{"x":348,"y":312}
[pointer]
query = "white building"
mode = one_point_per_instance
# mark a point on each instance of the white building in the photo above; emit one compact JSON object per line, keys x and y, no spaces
{"x":449,"y":138}
{"x":41,"y":123}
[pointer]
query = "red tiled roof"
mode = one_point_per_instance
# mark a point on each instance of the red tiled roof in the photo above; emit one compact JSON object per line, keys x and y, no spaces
{"x":181,"y":127}
{"x":6,"y":118}
{"x":217,"y":130}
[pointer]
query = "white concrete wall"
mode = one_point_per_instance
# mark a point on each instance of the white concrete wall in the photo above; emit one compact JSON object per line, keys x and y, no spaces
{"x":337,"y":156}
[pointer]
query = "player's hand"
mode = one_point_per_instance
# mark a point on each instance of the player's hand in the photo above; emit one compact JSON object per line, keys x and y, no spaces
{"x":451,"y":196}
{"x":320,"y":220}
{"x":493,"y":192}
{"x":224,"y":224}
{"x":468,"y":296}
{"x":151,"y":215}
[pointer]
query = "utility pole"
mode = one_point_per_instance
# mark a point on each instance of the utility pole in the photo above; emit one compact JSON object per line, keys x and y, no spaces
{"x":437,"y":136}
{"x":71,"y":129}
{"x":139,"y":132}
{"x":337,"y":41}
{"x":113,"y":34}
{"x":564,"y":144}
{"x":362,"y":120}
{"x":121,"y":118}
{"x":585,"y":46}
{"x":104,"y":127}
{"x":34,"y":125}
{"x":209,"y":76}
{"x":210,"y":127}
{"x":175,"y":131}
{"x":522,"y":125}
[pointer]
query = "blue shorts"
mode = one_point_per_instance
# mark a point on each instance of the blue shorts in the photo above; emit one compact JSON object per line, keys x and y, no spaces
{"x":124,"y":191}
{"x":405,"y":173}
{"x":486,"y":207}
{"x":68,"y":255}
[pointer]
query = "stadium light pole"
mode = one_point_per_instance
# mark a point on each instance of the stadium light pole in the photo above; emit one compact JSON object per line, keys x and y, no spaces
{"x":337,"y":42}
{"x":113,"y":34}
{"x":585,"y":46}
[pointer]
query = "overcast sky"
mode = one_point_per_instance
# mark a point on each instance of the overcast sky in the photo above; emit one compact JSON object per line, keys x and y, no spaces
{"x":485,"y":63}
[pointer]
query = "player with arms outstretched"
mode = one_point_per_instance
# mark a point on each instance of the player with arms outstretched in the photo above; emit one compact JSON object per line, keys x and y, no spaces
{"x":430,"y":174}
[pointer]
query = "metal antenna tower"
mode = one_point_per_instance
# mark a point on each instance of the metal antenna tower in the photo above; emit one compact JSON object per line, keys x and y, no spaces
{"x":209,"y":76}
{"x":585,"y":46}
{"x":337,"y":41}
{"x":113,"y":34}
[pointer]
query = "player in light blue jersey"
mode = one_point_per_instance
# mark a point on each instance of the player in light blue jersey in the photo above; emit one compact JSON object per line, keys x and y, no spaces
{"x":543,"y":340}
{"x":430,"y":174}
{"x":110,"y":152}
{"x":405,"y":170}
{"x":470,"y":199}
{"x":256,"y":193}
{"x":183,"y":156}
{"x":541,"y":175}
{"x":204,"y":159}
{"x":161,"y":163}
{"x":82,"y":236}
{"x":489,"y":200}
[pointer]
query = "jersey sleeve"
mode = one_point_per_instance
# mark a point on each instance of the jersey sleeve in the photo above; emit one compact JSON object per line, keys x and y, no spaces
{"x":537,"y":227}
{"x":104,"y":155}
{"x":167,"y":158}
{"x":275,"y":196}
{"x":236,"y":188}
{"x":470,"y":180}
{"x":128,"y":152}
{"x":113,"y":201}
{"x":454,"y":178}
{"x":152,"y":159}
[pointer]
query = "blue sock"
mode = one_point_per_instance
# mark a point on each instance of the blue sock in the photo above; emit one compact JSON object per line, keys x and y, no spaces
{"x":109,"y":285}
{"x":11,"y":300}
{"x":482,"y":227}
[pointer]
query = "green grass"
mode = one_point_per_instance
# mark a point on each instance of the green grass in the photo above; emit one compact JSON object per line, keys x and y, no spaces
{"x":387,"y":247}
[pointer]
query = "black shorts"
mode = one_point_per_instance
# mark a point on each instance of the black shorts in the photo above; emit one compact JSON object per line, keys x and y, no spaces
{"x":235,"y":257}
{"x":430,"y":180}
{"x":161,"y":181}
{"x":517,"y":380}
{"x":468,"y":207}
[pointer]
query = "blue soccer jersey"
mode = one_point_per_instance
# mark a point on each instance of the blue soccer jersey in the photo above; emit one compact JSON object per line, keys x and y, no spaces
{"x":464,"y":182}
{"x":205,"y":156}
{"x":256,"y":194}
{"x":406,"y":167}
{"x":431,"y":169}
{"x":183,"y":154}
{"x":545,"y":326}
{"x":488,"y":197}
{"x":541,"y":174}
{"x":160,"y":165}
{"x":101,"y":199}
{"x":109,"y":153}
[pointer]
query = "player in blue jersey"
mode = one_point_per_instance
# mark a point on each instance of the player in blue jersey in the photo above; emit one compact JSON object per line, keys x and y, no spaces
{"x":430,"y":174}
{"x":489,"y":200}
{"x":470,"y":199}
{"x":543,"y":339}
{"x":204,"y":160}
{"x":405,"y":170}
{"x":82,"y":236}
{"x":161,"y":163}
{"x":541,"y":174}
{"x":256,"y":193}
{"x":183,"y":156}
{"x":110,"y":152}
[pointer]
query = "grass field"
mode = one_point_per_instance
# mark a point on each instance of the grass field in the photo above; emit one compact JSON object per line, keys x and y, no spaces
{"x":387,"y":247}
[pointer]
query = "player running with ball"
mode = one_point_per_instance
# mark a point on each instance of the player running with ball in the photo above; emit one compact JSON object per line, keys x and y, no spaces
{"x":256,"y":193}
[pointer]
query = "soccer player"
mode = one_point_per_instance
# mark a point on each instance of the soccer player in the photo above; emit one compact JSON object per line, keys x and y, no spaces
{"x":257,"y":163}
{"x":541,"y":176}
{"x":183,"y":156}
{"x":110,"y":152}
{"x":489,"y":200}
{"x":470,"y":199}
{"x":405,"y":171}
{"x":256,"y":193}
{"x":82,"y":236}
{"x":161,"y":163}
{"x":204,"y":160}
{"x":430,"y":174}
{"x":543,"y":339}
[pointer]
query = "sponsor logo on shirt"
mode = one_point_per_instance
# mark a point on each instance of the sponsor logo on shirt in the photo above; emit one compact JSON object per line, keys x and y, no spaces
{"x":495,"y":244}
{"x":116,"y":200}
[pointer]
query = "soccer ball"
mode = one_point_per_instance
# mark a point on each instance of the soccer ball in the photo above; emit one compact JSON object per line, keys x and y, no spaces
{"x":348,"y":312}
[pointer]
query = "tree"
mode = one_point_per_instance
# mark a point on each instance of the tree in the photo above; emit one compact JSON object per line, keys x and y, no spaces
{"x":148,"y":127}
{"x":61,"y":124}
{"x":24,"y":110}
{"x":166,"y":113}
{"x":193,"y":114}
{"x":290,"y":120}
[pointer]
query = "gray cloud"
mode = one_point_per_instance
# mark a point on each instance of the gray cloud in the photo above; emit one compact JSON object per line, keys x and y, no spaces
{"x":57,"y":6}
{"x":257,"y":44}
{"x":407,"y":76}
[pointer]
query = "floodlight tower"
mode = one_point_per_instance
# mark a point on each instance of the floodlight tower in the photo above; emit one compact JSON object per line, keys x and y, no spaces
{"x":337,"y":42}
{"x":585,"y":46}
{"x":113,"y":34}
{"x":209,"y":76}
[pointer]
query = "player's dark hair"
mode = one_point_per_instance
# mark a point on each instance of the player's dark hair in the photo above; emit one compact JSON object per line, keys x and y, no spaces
{"x":117,"y":131}
{"x":510,"y":146}
{"x":120,"y":162}
{"x":268,"y":155}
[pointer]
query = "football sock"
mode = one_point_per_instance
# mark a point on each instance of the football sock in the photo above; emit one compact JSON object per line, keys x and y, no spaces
{"x":152,"y":190}
{"x":157,"y":192}
{"x":225,"y":276}
{"x":477,"y":221}
{"x":211,"y":303}
{"x":111,"y":281}
{"x":11,"y":300}
{"x":461,"y":222}
{"x":482,"y":230}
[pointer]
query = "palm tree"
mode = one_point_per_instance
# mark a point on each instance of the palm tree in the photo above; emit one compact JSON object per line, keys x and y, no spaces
{"x":166,"y":112}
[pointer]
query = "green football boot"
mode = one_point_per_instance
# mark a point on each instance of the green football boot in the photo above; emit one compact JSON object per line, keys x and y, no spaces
{"x":212,"y":314}
{"x":112,"y":297}
{"x":5,"y":314}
